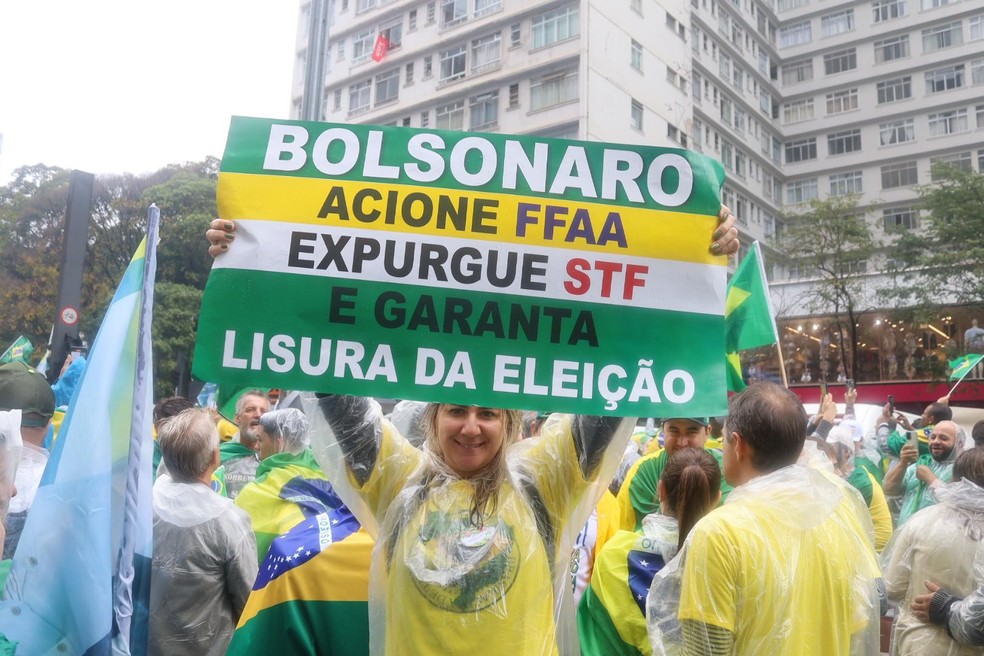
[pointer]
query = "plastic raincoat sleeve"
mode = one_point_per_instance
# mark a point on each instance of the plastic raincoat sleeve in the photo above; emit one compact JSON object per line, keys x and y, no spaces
{"x":966,"y":620}
{"x":10,"y":450}
{"x":241,"y":568}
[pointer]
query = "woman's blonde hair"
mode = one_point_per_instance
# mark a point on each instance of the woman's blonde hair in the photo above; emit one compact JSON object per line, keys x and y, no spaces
{"x":486,"y":483}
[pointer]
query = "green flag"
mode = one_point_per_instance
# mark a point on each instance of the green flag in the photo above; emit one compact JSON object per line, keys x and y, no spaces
{"x":748,"y":318}
{"x":19,"y":351}
{"x":735,"y":382}
{"x":962,"y":365}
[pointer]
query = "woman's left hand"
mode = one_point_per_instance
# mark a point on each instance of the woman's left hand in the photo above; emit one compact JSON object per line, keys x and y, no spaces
{"x":726,"y":236}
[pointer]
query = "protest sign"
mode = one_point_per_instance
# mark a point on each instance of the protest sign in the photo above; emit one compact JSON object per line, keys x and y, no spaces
{"x":497,"y":270}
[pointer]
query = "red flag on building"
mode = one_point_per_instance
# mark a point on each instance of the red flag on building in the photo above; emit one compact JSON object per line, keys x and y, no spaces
{"x":379,"y":50}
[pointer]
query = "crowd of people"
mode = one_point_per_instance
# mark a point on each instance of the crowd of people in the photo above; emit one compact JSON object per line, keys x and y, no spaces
{"x":325,"y":526}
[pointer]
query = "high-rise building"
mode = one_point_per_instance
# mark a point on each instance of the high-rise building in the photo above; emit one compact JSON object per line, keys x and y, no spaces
{"x":800,"y":99}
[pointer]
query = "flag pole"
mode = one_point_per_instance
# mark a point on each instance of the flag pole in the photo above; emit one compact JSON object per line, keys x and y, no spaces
{"x":782,"y":366}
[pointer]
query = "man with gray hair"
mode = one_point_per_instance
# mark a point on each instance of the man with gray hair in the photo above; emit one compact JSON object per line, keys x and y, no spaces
{"x":239,"y":453}
{"x":289,"y":482}
{"x":204,"y":553}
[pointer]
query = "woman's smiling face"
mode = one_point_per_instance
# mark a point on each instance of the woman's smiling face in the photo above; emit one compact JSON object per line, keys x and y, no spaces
{"x":469,"y":437}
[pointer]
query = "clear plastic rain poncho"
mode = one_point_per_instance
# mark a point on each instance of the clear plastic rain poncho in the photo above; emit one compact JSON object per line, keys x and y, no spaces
{"x":442,"y":582}
{"x":290,"y":425}
{"x":10,"y":452}
{"x":944,"y":544}
{"x":785,"y":566}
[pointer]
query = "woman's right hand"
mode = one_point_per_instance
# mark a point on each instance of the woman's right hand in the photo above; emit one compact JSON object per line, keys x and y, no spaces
{"x":220,"y":234}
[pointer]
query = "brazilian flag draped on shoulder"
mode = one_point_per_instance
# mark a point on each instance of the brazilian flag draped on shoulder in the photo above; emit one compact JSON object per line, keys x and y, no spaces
{"x":288,"y":488}
{"x":311,"y":594}
{"x":749,"y":321}
{"x":80,"y":580}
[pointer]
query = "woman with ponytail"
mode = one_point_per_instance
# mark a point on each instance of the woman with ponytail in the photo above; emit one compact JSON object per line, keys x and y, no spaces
{"x":611,"y":618}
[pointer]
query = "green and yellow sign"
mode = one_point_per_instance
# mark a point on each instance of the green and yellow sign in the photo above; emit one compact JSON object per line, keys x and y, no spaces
{"x":467,"y":268}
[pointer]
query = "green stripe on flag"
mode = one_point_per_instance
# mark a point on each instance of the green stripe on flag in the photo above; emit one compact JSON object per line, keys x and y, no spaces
{"x":340,"y":628}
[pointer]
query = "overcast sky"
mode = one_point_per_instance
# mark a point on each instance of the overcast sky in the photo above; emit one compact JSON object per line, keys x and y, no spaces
{"x":128,"y":86}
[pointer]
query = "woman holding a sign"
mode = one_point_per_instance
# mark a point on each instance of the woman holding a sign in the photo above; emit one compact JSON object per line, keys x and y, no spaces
{"x":474,"y":529}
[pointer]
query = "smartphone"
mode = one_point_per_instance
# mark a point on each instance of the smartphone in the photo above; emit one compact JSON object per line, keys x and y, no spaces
{"x":849,"y":383}
{"x":823,"y":389}
{"x":891,"y":404}
{"x":913,"y":439}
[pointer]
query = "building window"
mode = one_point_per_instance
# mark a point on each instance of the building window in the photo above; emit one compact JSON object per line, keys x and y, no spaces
{"x":636,"y":6}
{"x":362,"y":46}
{"x":675,"y":26}
{"x":635,"y":115}
{"x":890,"y":49}
{"x":431,"y":13}
{"x":980,"y":116}
{"x":842,"y":184}
{"x":696,"y":87}
{"x":363,"y":5}
{"x":336,"y":105}
{"x":450,"y":117}
{"x":393,"y":32}
{"x":801,"y":150}
{"x":801,"y":191}
{"x":976,"y":28}
{"x":428,"y":66}
{"x":409,"y":74}
{"x":896,"y":132}
{"x":425,"y":119}
{"x":412,"y":20}
{"x":961,"y":161}
{"x":953,"y":121}
{"x":556,"y":25}
{"x":553,"y":90}
{"x":359,"y":96}
{"x":513,"y":96}
{"x":899,"y":175}
{"x":486,"y":53}
{"x":483,"y":7}
{"x":453,"y":63}
{"x":839,"y":143}
{"x":894,"y":90}
{"x":516,"y":35}
{"x":341,"y":50}
{"x":387,"y":86}
{"x":453,"y":12}
{"x":786,"y":5}
{"x":977,"y":71}
{"x":900,"y":218}
{"x":484,"y":111}
{"x":840,"y":61}
{"x":635,"y":58}
{"x":842,"y":101}
{"x":944,"y":79}
{"x":795,"y":35}
{"x":838,"y":23}
{"x":797,"y":72}
{"x":884,"y":10}
{"x":933,"y":4}
{"x":406,"y":121}
{"x":942,"y":36}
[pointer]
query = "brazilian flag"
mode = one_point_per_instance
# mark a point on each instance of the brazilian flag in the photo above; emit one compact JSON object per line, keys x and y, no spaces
{"x":311,"y":595}
{"x":748,"y":318}
{"x":964,"y":365}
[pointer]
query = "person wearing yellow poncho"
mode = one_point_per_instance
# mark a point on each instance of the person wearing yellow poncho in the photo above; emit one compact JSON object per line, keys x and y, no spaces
{"x":786,"y":566}
{"x":288,"y":479}
{"x":474,"y":529}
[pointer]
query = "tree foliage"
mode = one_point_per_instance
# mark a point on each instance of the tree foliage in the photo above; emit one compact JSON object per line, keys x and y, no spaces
{"x":32,"y":216}
{"x":943,"y":262}
{"x":831,"y":242}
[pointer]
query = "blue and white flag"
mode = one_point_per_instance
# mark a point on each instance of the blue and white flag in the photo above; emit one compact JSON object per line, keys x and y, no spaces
{"x":80,"y":579}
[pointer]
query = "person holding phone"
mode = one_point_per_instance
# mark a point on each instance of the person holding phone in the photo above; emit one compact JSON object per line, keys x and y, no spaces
{"x":917,"y":477}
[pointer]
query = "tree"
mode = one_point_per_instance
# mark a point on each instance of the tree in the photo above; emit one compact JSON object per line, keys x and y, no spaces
{"x":832,"y":241}
{"x":942,"y":262}
{"x":32,"y":216}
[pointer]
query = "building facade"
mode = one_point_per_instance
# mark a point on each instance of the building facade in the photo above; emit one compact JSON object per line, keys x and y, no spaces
{"x":800,"y":99}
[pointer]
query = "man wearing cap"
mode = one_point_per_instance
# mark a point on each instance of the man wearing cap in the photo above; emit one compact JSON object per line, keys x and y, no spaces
{"x":639,"y":496}
{"x":23,"y":388}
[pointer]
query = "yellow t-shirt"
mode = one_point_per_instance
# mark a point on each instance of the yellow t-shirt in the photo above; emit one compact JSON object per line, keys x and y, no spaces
{"x":783,"y":569}
{"x":881,"y":517}
{"x":452,"y":587}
